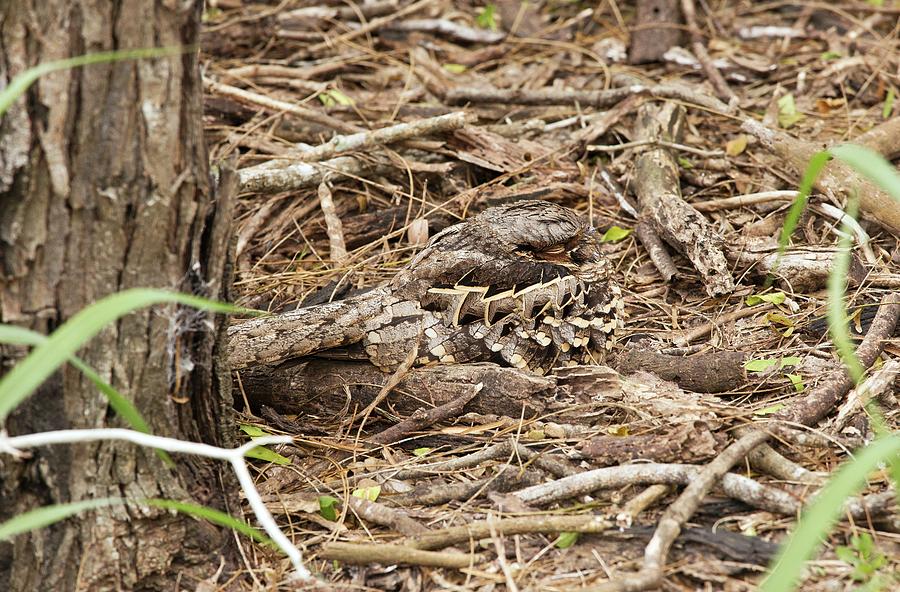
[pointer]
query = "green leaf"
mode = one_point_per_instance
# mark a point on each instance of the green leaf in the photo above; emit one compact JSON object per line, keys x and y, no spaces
{"x":47,"y":515}
{"x":333,"y":96}
{"x":121,"y":404}
{"x":790,"y":361}
{"x":339,"y":97}
{"x":888,"y":107}
{"x":831,"y":55}
{"x":211,"y":515}
{"x":685,"y":163}
{"x":253,"y":431}
{"x":614,"y":234}
{"x":23,"y":81}
{"x":772,"y":298}
{"x":770,"y":409}
{"x":367,"y":493}
{"x":823,"y":513}
{"x":759,"y":365}
{"x":566,"y":540}
{"x":325,"y":98}
{"x":327,"y":507}
{"x":796,"y":382}
{"x":421,"y":451}
{"x":267,"y":455}
{"x":455,"y":68}
{"x":787,"y":111}
{"x":27,"y":375}
{"x":487,"y":18}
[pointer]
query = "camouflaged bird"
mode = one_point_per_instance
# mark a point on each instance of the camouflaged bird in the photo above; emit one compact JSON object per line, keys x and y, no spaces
{"x":523,"y":285}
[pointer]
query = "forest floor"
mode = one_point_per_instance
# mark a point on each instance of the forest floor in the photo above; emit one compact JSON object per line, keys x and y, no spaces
{"x":535,"y":84}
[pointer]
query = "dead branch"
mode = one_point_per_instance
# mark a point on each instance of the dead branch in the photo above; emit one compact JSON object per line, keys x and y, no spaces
{"x":586,"y":98}
{"x":640,"y":502}
{"x":323,"y":385}
{"x":336,"y":246}
{"x":708,"y":372}
{"x":363,"y":553}
{"x":251,"y":98}
{"x":798,"y":269}
{"x":421,"y":419}
{"x":836,"y":179}
{"x":266,"y":178}
{"x":448,"y":29}
{"x":474,"y":531}
{"x":657,"y":187}
{"x":736,"y":486}
{"x":382,"y":136}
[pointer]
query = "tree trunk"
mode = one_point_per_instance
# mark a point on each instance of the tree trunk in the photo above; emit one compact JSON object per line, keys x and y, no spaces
{"x":104,"y":186}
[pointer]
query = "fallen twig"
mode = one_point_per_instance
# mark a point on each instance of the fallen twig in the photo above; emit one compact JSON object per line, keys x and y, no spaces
{"x":252,"y":98}
{"x":453,"y":535}
{"x":363,"y":553}
{"x":585,"y":98}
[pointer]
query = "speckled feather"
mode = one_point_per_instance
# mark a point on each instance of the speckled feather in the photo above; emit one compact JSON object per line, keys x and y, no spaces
{"x":523,"y":285}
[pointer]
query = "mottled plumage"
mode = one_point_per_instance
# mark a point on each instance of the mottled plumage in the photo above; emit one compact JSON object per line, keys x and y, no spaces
{"x":523,"y":285}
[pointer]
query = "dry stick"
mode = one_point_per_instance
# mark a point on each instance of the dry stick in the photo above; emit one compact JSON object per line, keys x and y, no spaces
{"x":736,"y":486}
{"x":641,"y":502}
{"x":422,"y":418}
{"x":252,"y":98}
{"x":684,"y":338}
{"x":383,"y":515}
{"x":657,"y":187}
{"x":836,"y":179}
{"x":385,"y":135}
{"x":337,"y":248}
{"x":808,"y":411}
{"x":712,"y":73}
{"x":552,"y":463}
{"x":739,"y":201}
{"x":267,"y":179}
{"x":876,"y":385}
{"x":656,"y":249}
{"x":883,"y":138}
{"x":438,"y":539}
{"x":363,"y":553}
{"x":585,"y":98}
{"x":368,"y":27}
{"x":277,"y":175}
{"x":450,"y":30}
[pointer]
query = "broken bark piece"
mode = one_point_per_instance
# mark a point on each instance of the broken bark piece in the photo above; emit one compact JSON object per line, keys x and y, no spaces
{"x":657,"y":28}
{"x":323,"y":386}
{"x":709,"y":372}
{"x":686,"y":443}
{"x":657,"y":187}
{"x":798,"y":270}
{"x":836,"y":180}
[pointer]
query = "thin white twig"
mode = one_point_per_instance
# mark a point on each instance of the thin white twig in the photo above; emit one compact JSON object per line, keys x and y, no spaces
{"x":12,"y":445}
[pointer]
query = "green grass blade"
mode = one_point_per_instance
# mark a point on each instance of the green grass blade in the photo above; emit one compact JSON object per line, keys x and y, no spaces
{"x":120,"y":404}
{"x":212,"y":515}
{"x":824,"y":512}
{"x":28,"y":374}
{"x":871,"y":165}
{"x":837,"y":313}
{"x":815,"y":166}
{"x":47,"y":515}
{"x":20,"y":84}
